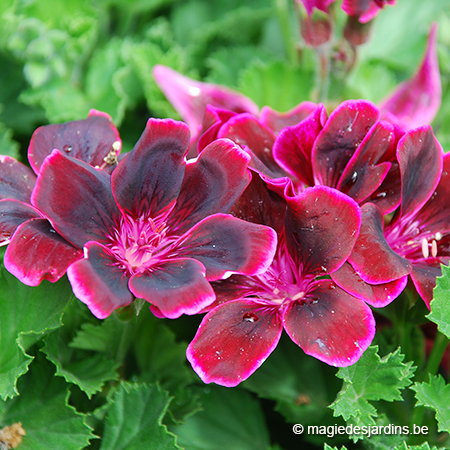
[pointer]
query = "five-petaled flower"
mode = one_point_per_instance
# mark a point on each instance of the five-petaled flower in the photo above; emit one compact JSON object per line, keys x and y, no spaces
{"x":155,"y":228}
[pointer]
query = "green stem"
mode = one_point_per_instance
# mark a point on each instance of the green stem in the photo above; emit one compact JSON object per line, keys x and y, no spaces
{"x":284,"y":15}
{"x":324,"y":72}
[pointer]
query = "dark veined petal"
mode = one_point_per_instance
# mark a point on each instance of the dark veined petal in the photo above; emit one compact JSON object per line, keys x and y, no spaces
{"x":98,"y":282}
{"x":213,"y":119}
{"x":364,"y":172}
{"x":421,"y":158}
{"x":424,"y":279}
{"x":372,"y":258}
{"x":293,"y":146}
{"x":335,"y":328}
{"x":175,"y":287}
{"x":149,"y":177}
{"x":225,"y":244}
{"x":94,"y":140}
{"x":276,"y":121}
{"x":377,"y":295}
{"x":76,"y":198}
{"x":211,"y":185}
{"x":12,"y":214}
{"x":345,"y":129}
{"x":322,"y":225}
{"x":233,"y":340}
{"x":36,"y":252}
{"x":16,"y":179}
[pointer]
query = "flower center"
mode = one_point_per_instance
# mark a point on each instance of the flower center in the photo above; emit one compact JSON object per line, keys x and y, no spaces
{"x":139,"y":244}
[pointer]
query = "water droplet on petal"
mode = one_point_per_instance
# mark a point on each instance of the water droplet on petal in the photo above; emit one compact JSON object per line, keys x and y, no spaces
{"x":250,"y":317}
{"x":67,"y":148}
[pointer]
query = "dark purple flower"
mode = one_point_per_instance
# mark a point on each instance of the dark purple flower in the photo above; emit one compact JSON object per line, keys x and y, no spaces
{"x":416,"y":241}
{"x":154,"y":229}
{"x":317,"y":231}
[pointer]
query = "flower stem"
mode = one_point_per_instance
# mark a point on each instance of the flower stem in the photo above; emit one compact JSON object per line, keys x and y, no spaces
{"x":284,"y":15}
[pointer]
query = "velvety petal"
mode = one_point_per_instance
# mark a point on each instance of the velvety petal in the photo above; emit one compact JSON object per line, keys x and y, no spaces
{"x":345,"y":129}
{"x":372,"y":258}
{"x":247,"y":130}
{"x":420,"y":157}
{"x":211,"y":184}
{"x":36,"y":252}
{"x":225,"y":244}
{"x":335,"y":328}
{"x":16,"y":179}
{"x":94,"y":140}
{"x":276,"y":121}
{"x":415,"y":102}
{"x":293,"y":146}
{"x":190,"y":97}
{"x":149,"y":177}
{"x":377,"y":295}
{"x":232,"y":341}
{"x":322,"y":225}
{"x":76,"y":198}
{"x":97,"y":281}
{"x":12,"y":214}
{"x":365,"y":172}
{"x":175,"y":287}
{"x":366,"y":10}
{"x":259,"y":204}
{"x":424,"y":279}
{"x":213,"y":119}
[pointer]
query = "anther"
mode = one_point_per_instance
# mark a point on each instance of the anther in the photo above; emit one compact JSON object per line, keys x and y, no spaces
{"x":434,"y":249}
{"x":425,"y":251}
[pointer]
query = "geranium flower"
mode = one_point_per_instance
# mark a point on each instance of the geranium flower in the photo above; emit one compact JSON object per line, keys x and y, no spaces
{"x":317,"y":232}
{"x":416,"y":241}
{"x":155,"y":228}
{"x":365,"y":10}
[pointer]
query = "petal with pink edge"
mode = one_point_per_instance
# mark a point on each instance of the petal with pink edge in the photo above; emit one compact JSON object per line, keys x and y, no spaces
{"x":377,"y":295}
{"x":92,"y":140}
{"x":322,"y":5}
{"x":372,"y":258}
{"x":233,"y":341}
{"x":415,"y":102}
{"x":213,"y":119}
{"x":424,"y":279}
{"x":335,"y":327}
{"x":76,"y":198}
{"x":293,"y":146}
{"x":225,"y":244}
{"x":149,"y":177}
{"x":211,"y":185}
{"x":345,"y":129}
{"x":36,"y":252}
{"x":420,"y":157}
{"x":98,"y":282}
{"x":175,"y":287}
{"x":365,"y":10}
{"x":322,"y":225}
{"x":12,"y":214}
{"x":16,"y":179}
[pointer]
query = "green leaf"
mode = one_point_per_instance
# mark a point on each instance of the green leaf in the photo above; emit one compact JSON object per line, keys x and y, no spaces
{"x":7,"y":145}
{"x":370,"y":379}
{"x":42,"y":408}
{"x":134,"y":420}
{"x":440,"y":307}
{"x":436,"y":395}
{"x":26,"y":313}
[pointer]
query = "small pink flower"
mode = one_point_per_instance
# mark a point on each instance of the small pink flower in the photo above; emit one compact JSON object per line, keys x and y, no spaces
{"x":365,"y":10}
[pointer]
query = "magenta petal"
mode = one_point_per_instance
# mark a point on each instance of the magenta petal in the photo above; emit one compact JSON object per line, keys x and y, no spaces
{"x":421,"y":159}
{"x":373,"y":259}
{"x":335,"y":328}
{"x":322,"y":5}
{"x":225,"y":244}
{"x":293,"y":146}
{"x":12,"y":214}
{"x":149,"y":177}
{"x":76,"y":198}
{"x":36,"y":252}
{"x":377,"y":295}
{"x":213,"y":119}
{"x":322,"y":225}
{"x":232,"y":341}
{"x":97,"y":281}
{"x":211,"y":184}
{"x":175,"y":287}
{"x":190,"y":97}
{"x":91,"y":140}
{"x":416,"y":101}
{"x":365,"y":10}
{"x":345,"y":129}
{"x":16,"y":179}
{"x":424,"y":279}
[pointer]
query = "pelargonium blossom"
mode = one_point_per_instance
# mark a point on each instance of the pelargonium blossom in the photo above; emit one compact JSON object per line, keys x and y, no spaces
{"x":317,"y":231}
{"x":416,"y":241}
{"x":156,"y":228}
